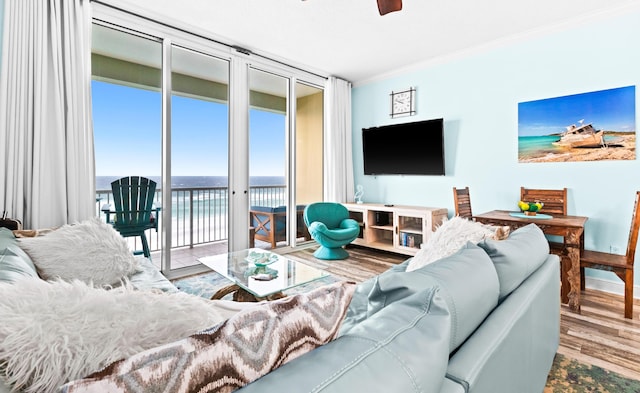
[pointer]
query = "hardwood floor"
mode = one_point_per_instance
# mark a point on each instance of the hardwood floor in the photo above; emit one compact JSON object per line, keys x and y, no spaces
{"x":363,"y":263}
{"x":600,"y":335}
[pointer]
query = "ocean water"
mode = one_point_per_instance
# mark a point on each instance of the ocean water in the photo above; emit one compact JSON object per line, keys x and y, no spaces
{"x":537,"y":146}
{"x":207,"y":202}
{"x":103,"y":183}
{"x":199,"y":205}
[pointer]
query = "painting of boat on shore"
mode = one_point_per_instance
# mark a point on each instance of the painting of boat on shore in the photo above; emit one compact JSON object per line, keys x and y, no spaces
{"x":594,"y":126}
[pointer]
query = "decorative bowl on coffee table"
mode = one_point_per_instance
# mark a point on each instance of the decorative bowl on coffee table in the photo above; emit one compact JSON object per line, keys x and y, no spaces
{"x":261,"y":258}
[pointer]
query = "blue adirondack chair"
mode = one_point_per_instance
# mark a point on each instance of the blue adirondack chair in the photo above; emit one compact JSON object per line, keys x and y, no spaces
{"x":134,"y":211}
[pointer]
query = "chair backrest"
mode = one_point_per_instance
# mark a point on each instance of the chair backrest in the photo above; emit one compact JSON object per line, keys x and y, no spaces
{"x":133,"y":200}
{"x":555,"y":201}
{"x":633,"y":232}
{"x":329,"y":213}
{"x":462,"y":201}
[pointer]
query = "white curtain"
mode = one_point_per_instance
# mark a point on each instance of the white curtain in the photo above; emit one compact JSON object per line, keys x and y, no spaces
{"x":47,"y":175}
{"x":338,"y":162}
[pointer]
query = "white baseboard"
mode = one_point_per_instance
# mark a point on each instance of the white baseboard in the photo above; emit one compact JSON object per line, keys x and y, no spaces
{"x":609,"y":286}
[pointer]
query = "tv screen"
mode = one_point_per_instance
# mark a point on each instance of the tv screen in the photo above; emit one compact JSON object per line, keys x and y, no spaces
{"x":404,"y":149}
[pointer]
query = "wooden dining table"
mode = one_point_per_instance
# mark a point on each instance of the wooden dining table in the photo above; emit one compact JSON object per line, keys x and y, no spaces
{"x":571,"y":228}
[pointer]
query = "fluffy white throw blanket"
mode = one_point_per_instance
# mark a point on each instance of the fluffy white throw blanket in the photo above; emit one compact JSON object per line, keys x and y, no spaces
{"x":91,"y":251}
{"x":54,"y":332}
{"x":450,"y":236}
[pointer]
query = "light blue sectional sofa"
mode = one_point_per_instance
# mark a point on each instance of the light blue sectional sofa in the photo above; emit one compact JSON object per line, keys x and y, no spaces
{"x":483,"y":320}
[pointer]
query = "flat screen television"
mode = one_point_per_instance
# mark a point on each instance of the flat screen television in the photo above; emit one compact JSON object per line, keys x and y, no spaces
{"x":404,"y":149}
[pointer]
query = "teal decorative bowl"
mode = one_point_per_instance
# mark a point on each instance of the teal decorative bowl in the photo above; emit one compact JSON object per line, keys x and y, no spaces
{"x":261,"y":258}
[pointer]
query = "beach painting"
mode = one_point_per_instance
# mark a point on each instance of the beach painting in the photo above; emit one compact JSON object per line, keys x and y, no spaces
{"x":593,"y":126}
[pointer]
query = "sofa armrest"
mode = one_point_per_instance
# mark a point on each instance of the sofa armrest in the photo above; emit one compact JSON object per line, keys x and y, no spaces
{"x":513,"y":350}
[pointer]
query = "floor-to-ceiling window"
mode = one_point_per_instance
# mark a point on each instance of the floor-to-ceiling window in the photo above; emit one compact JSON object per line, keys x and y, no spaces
{"x":213,"y":113}
{"x":268,"y":126}
{"x":199,"y":155}
{"x":309,"y":143}
{"x":127,"y":112}
{"x":285,"y":156}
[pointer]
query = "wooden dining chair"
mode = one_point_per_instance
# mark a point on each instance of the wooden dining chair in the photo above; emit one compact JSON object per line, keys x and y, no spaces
{"x":462,"y":201}
{"x":621,"y":265}
{"x":555,"y":201}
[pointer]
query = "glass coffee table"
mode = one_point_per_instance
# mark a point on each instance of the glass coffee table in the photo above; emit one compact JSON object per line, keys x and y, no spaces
{"x":257,"y":274}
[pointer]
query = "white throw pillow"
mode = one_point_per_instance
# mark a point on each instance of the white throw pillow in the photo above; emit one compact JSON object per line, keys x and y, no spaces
{"x":90,"y":251}
{"x":57,"y":331}
{"x":450,"y":236}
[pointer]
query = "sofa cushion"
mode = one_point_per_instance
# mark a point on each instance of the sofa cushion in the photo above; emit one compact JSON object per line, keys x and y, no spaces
{"x":359,"y":307}
{"x":90,"y":251}
{"x":469,"y":284}
{"x":402,"y":348}
{"x":15,"y":264}
{"x":467,"y":279}
{"x":517,"y":257}
{"x":451,"y":236}
{"x":6,"y":237}
{"x":248,"y":345}
{"x":148,"y":277}
{"x":70,"y":329}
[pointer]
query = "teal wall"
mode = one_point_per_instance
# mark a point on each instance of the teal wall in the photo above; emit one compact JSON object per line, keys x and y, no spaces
{"x":478,"y":97}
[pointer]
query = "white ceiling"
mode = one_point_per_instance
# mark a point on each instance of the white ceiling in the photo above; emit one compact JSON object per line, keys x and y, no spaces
{"x":349,"y":39}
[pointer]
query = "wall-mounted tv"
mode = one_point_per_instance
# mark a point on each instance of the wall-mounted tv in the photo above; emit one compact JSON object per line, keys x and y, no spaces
{"x":404,"y":149}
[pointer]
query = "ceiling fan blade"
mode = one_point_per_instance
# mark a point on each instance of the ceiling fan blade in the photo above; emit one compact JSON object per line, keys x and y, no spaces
{"x":386,"y":6}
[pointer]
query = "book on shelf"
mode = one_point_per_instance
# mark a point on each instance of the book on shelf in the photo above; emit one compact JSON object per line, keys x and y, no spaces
{"x":407,"y":240}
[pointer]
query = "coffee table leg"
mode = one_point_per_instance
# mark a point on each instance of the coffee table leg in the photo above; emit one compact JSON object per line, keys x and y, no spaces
{"x":224,"y":291}
{"x":240,"y":295}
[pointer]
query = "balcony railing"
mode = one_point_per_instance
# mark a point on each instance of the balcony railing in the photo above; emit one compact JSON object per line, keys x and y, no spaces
{"x":199,"y":215}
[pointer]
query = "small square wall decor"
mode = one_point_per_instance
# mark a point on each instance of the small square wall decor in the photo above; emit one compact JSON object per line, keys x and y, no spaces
{"x":403,"y":103}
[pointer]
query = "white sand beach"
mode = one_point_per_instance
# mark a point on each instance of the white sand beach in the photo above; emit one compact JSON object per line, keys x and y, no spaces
{"x":624,"y":149}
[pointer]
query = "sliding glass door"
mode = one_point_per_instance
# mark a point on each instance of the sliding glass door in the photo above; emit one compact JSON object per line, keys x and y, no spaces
{"x":285,"y":156}
{"x":199,"y":156}
{"x":222,"y":133}
{"x":268,"y":130}
{"x":309,"y":151}
{"x":127,"y":114}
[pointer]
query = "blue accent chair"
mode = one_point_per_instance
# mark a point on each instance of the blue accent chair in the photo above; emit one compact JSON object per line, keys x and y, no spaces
{"x":329,"y":224}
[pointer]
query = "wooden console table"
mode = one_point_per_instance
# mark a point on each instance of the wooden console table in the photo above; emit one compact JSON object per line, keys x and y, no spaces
{"x":569,"y":227}
{"x":400,"y":229}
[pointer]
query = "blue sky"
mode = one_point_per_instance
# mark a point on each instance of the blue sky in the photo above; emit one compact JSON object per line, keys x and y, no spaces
{"x":127,"y":133}
{"x":610,"y":110}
